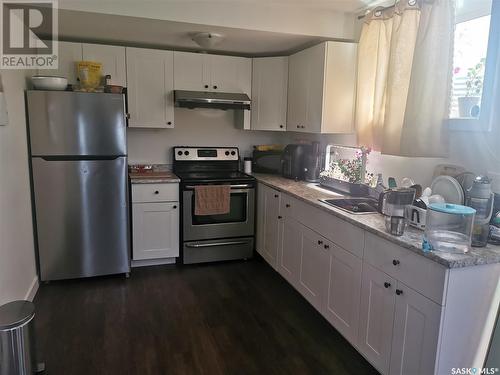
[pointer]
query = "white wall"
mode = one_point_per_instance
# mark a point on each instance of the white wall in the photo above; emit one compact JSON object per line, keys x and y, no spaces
{"x":253,"y":15}
{"x":17,"y":257}
{"x":198,"y":127}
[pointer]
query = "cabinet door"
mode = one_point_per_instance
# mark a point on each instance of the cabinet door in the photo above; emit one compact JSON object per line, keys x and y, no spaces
{"x":290,"y":250}
{"x":150,"y":88}
{"x":416,"y":332}
{"x":271,"y":229}
{"x":313,"y":273}
{"x":297,"y":92}
{"x":112,"y":59}
{"x":376,"y":317}
{"x":155,"y":230}
{"x":192,"y":71}
{"x":269,"y":93}
{"x":69,"y":54}
{"x":231,"y":74}
{"x":344,"y":287}
{"x":315,"y":66}
{"x":261,"y":218}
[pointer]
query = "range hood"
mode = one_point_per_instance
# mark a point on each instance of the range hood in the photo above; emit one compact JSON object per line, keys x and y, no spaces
{"x":219,"y":100}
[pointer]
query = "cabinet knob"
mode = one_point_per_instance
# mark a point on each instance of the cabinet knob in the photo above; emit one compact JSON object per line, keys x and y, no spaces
{"x":395,"y":262}
{"x":320,"y":242}
{"x":303,"y":126}
{"x":206,"y":86}
{"x":281,"y":126}
{"x":174,"y":207}
{"x":157,"y":192}
{"x":276,"y":195}
{"x":298,"y":126}
{"x":280,"y":217}
{"x":287,"y":205}
{"x":215,"y":87}
{"x":326,"y":247}
{"x":399,"y":292}
{"x":387,"y":285}
{"x":169,"y":123}
{"x":127,"y":116}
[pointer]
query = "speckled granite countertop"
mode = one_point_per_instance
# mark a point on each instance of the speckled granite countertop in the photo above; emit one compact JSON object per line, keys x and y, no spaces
{"x":374,"y":223}
{"x":154,"y":174}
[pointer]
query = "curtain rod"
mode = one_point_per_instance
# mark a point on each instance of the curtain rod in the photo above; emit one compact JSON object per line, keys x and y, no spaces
{"x":382,"y":9}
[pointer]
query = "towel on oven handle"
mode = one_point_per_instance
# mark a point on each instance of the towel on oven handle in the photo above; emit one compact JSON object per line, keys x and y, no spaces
{"x":212,"y":199}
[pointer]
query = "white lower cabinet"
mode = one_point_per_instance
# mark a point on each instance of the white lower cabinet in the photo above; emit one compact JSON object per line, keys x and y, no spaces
{"x":290,"y":250}
{"x":343,"y":292}
{"x":416,"y":333}
{"x":387,"y":301}
{"x":313,"y":276}
{"x":155,"y":221}
{"x":268,"y":230}
{"x":376,"y":317}
{"x":399,"y":327}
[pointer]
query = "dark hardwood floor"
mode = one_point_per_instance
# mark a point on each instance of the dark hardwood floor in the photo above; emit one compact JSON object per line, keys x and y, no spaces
{"x":230,"y":318}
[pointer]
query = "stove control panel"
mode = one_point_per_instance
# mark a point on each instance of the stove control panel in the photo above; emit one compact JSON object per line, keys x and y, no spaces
{"x":206,"y":153}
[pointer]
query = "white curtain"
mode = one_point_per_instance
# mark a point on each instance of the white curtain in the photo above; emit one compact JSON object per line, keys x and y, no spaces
{"x":405,"y":62}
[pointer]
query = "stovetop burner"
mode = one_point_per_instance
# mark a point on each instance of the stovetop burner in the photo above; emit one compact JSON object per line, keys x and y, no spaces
{"x":208,"y":165}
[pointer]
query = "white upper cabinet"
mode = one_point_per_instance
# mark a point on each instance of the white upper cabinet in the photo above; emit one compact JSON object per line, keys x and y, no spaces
{"x":150,"y":75}
{"x":112,"y":59}
{"x":269,"y":93}
{"x":69,"y":54}
{"x":204,"y":72}
{"x":321,"y":88}
{"x":231,"y":74}
{"x":192,"y":71}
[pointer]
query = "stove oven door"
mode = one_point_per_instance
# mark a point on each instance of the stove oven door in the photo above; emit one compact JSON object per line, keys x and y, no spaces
{"x":239,"y":222}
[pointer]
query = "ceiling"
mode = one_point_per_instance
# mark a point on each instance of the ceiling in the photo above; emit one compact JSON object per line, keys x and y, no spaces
{"x":143,"y":32}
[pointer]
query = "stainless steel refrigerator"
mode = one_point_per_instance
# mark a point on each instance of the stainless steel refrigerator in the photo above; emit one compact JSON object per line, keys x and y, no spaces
{"x":78,"y":153}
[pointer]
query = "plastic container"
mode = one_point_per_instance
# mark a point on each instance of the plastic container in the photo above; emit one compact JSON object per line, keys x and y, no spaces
{"x":481,"y":198}
{"x":448,"y":228}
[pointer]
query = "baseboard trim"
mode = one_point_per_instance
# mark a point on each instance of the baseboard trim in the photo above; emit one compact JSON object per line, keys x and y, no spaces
{"x":152,"y":262}
{"x":30,"y":295}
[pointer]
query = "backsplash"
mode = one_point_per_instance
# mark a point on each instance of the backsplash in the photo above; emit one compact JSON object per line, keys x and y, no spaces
{"x":195,"y":127}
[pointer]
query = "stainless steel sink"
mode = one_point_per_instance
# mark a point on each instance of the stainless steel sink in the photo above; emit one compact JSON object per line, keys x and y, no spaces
{"x":354,"y":205}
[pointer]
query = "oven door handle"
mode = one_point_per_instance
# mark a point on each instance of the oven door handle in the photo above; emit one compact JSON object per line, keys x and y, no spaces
{"x":241,"y":186}
{"x":212,"y":244}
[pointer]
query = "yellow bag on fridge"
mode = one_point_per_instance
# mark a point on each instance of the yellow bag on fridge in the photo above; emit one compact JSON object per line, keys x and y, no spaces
{"x":89,"y":74}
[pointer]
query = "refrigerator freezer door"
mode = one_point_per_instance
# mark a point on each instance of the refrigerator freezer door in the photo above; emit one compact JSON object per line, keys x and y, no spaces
{"x":82,"y":217}
{"x":64,"y":123}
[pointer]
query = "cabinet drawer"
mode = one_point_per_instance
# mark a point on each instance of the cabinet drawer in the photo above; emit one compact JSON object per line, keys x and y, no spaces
{"x":340,"y":232}
{"x":425,"y":276}
{"x":155,"y":192}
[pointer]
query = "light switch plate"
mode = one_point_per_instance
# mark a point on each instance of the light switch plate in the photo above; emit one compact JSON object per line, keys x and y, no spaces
{"x":4,"y":117}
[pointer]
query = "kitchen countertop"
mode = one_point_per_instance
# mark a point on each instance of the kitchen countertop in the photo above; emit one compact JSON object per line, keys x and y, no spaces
{"x":157,"y":174}
{"x":374,"y":223}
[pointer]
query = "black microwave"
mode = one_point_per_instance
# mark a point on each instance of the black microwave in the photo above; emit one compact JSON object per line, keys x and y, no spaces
{"x":267,"y":161}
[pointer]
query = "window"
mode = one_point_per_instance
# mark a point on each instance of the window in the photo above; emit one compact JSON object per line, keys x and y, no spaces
{"x":476,"y":65}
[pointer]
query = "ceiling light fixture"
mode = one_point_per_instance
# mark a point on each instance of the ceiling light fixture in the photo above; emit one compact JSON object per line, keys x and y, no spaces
{"x":207,"y":40}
